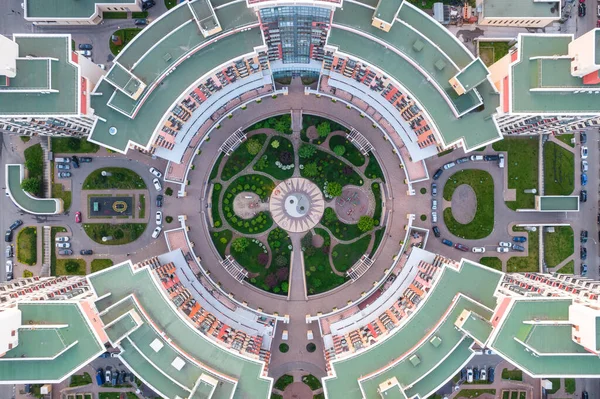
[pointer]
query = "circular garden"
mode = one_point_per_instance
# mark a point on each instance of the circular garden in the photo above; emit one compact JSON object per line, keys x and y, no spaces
{"x":265,"y":174}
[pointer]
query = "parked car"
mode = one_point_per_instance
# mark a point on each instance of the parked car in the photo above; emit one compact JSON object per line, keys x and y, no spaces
{"x":156,"y":172}
{"x":584,"y":395}
{"x":8,"y":236}
{"x":85,"y":159}
{"x":115,"y":377}
{"x":158,"y":218}
{"x":501,"y":161}
{"x":584,"y":165}
{"x":62,"y":239}
{"x":65,"y":252}
{"x":584,"y":152}
{"x":436,"y":231}
{"x":434,"y":217}
{"x":75,"y":161}
{"x":434,"y":205}
{"x":437,"y":174}
{"x":157,"y":184}
{"x":99,"y":377}
{"x":9,"y":269}
{"x":483,"y":374}
{"x":475,"y":373}
{"x":77,"y":217}
{"x":156,"y":232}
{"x":86,"y":53}
{"x":582,"y":137}
{"x":581,"y":10}
{"x":583,"y":270}
{"x":491,"y":157}
{"x":583,"y":236}
{"x":520,"y":239}
{"x":141,"y":22}
{"x":120,"y":378}
{"x":85,"y":46}
{"x":107,"y":376}
{"x":447,"y":242}
{"x":64,"y":175}
{"x":62,"y":160}
{"x":583,"y":253}
{"x":583,"y":196}
{"x":86,"y":252}
{"x":505,"y":244}
{"x":491,"y":374}
{"x":449,"y":165}
{"x":476,"y":157}
{"x":463,"y":374}
{"x":9,"y":251}
{"x":63,"y":166}
{"x":463,"y":160}
{"x":16,"y":224}
{"x":584,"y":179}
{"x":502,"y":249}
{"x":433,"y":189}
{"x":146,"y":5}
{"x":518,"y":248}
{"x":469,"y":374}
{"x":159,"y":201}
{"x":462,"y":247}
{"x":478,"y":250}
{"x":63,"y":245}
{"x":105,"y":355}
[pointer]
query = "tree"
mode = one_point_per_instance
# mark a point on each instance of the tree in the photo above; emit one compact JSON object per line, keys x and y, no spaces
{"x":240,"y":244}
{"x":334,"y":189}
{"x":275,"y":143}
{"x":262,"y":259}
{"x":285,"y":286}
{"x":366,"y":223}
{"x":286,"y":158}
{"x":339,"y":150}
{"x":329,"y":216}
{"x":271,"y":280}
{"x":311,"y":169}
{"x":253,"y":146}
{"x":262,"y":163}
{"x":323,"y":129}
{"x":281,"y":260}
{"x":31,"y":185}
{"x":282,"y":273}
{"x":306,"y":151}
{"x":71,"y":266}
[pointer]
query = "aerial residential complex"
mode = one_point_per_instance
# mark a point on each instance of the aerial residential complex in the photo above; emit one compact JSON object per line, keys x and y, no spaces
{"x":337,"y":193}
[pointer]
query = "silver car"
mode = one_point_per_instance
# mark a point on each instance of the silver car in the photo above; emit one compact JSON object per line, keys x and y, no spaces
{"x":156,"y":232}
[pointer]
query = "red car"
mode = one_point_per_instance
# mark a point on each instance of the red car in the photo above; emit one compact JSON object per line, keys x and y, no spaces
{"x":461,"y":247}
{"x":77,"y":217}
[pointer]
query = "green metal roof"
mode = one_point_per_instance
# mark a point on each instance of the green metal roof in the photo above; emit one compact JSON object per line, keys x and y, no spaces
{"x":477,"y":327}
{"x":64,"y":77}
{"x":552,"y":339}
{"x":530,"y":73}
{"x":473,"y":281}
{"x":387,"y":10}
{"x":67,"y":8}
{"x":473,"y":74}
{"x":120,"y":328}
{"x":559,"y":203}
{"x":37,"y":206}
{"x":33,"y":74}
{"x":49,"y":342}
{"x":521,"y":9}
{"x":513,"y":326}
{"x":120,"y":282}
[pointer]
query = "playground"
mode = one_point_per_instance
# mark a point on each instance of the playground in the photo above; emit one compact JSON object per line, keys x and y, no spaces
{"x":352,"y":204}
{"x":110,"y":206}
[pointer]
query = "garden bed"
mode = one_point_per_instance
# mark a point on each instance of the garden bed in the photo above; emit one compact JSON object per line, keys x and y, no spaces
{"x":214,"y":205}
{"x":58,"y":191}
{"x":378,"y":203}
{"x":275,"y":278}
{"x":313,"y":120}
{"x":73,"y":145}
{"x":281,"y":123}
{"x":559,"y":245}
{"x":275,"y":158}
{"x":27,"y":246}
{"x":378,"y":237}
{"x":241,"y":157}
{"x":373,"y":169}
{"x":249,"y":258}
{"x":559,"y":170}
{"x":221,"y":240}
{"x":346,"y":255}
{"x":351,"y":153}
{"x":101,"y":264}
{"x":482,"y":224}
{"x":330,"y":169}
{"x":491,"y":52}
{"x":34,"y":162}
{"x":319,"y":275}
{"x":121,"y":179}
{"x":258,"y":184}
{"x":122,"y":233}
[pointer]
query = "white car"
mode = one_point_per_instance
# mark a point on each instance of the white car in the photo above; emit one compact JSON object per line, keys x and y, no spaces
{"x":584,"y":152}
{"x":476,"y":157}
{"x":584,"y":166}
{"x":434,"y":205}
{"x":502,"y":249}
{"x":158,"y":218}
{"x":156,"y":172}
{"x":469,"y":375}
{"x":62,"y":239}
{"x":478,"y":250}
{"x":434,"y":217}
{"x":449,"y":165}
{"x":483,"y":375}
{"x":505,"y":244}
{"x":156,"y":232}
{"x":157,"y":184}
{"x":63,"y":245}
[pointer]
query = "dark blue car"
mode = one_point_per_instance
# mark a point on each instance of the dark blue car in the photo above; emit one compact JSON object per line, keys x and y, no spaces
{"x":447,"y":242}
{"x":520,"y":239}
{"x":491,"y":375}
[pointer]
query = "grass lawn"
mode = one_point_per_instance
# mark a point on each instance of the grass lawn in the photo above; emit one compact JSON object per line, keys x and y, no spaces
{"x":215,"y":170}
{"x":373,"y":170}
{"x":122,"y":233}
{"x":491,"y":261}
{"x":331,"y":169}
{"x":121,"y":178}
{"x":483,"y":223}
{"x":141,"y":14}
{"x":126,"y":36}
{"x":170,"y":4}
{"x":522,"y":164}
{"x":566,"y":138}
{"x":109,"y":395}
{"x":555,"y":385}
{"x":283,"y":382}
{"x":220,"y":240}
{"x":142,"y":209}
{"x":101,"y":264}
{"x":34,"y":162}
{"x":73,"y":145}
{"x":78,"y":380}
{"x":520,"y":264}
{"x":319,"y":276}
{"x":313,"y":382}
{"x":378,"y":203}
{"x":559,"y":170}
{"x":378,"y":237}
{"x":284,"y":154}
{"x":248,"y":258}
{"x":338,"y":228}
{"x":61,"y":267}
{"x":352,"y":154}
{"x":58,"y":191}
{"x":27,"y":246}
{"x":214,"y":206}
{"x":514,"y":375}
{"x":473,"y":393}
{"x":569,"y":268}
{"x":313,"y":120}
{"x":240,"y":158}
{"x":114,"y":15}
{"x":346,"y":255}
{"x":258,"y":184}
{"x":558,"y":245}
{"x":53,"y":232}
{"x":570,"y":385}
{"x":491,"y":52}
{"x":281,"y":123}
{"x":275,"y":278}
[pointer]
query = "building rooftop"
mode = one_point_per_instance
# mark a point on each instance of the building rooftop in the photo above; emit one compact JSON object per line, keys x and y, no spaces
{"x":558,"y":203}
{"x":54,"y":352}
{"x":521,"y":9}
{"x":34,"y":75}
{"x":387,"y":10}
{"x":160,"y":315}
{"x":66,"y":8}
{"x":473,"y":75}
{"x":24,"y":200}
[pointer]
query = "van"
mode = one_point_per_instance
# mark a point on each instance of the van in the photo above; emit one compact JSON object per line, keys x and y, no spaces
{"x":62,"y":160}
{"x":476,"y":157}
{"x":501,"y":161}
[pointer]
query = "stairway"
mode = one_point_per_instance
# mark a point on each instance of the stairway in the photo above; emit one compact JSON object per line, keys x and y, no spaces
{"x":47,"y":183}
{"x":45,"y":271}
